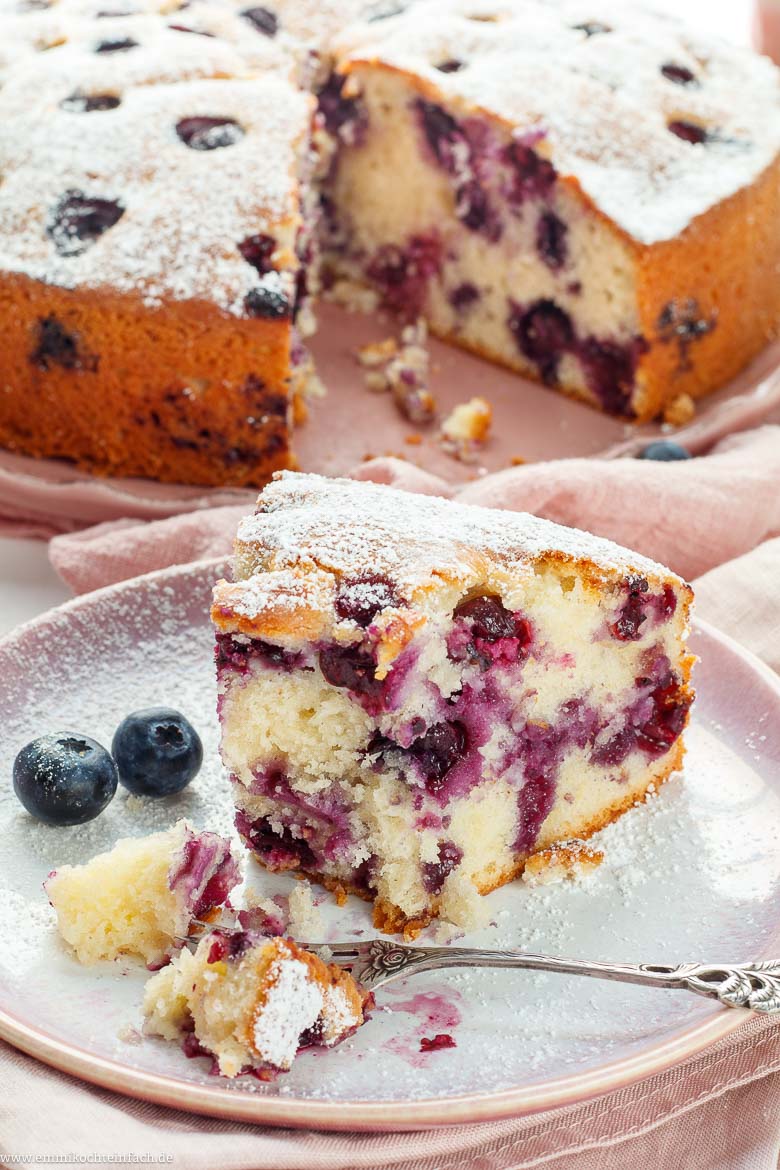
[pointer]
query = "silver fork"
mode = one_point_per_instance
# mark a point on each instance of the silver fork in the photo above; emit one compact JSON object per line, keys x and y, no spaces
{"x":378,"y":961}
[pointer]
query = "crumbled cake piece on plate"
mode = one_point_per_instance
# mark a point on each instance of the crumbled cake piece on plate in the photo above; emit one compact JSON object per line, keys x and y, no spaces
{"x":466,"y":428}
{"x":565,"y":188}
{"x":567,"y":860}
{"x":252,"y":1002}
{"x":417,"y":695}
{"x":140,"y":898}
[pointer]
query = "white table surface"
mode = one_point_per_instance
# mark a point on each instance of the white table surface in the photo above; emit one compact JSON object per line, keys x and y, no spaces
{"x":29,"y":585}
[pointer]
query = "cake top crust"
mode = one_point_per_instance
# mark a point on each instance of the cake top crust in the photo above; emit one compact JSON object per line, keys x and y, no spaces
{"x":139,"y":151}
{"x":363,"y":532}
{"x":597,"y":86}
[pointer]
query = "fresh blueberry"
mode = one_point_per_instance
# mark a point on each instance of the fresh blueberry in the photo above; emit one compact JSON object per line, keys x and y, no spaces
{"x":664,"y":451}
{"x":157,"y":752}
{"x":64,"y":779}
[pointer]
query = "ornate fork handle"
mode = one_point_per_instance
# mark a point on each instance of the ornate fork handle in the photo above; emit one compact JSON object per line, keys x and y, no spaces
{"x":752,"y":985}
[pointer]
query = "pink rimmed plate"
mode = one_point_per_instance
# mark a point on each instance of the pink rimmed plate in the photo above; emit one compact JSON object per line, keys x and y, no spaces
{"x":695,"y":874}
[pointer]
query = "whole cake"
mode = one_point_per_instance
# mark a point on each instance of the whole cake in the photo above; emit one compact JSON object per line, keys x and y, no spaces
{"x":587,"y":193}
{"x":416,"y":696}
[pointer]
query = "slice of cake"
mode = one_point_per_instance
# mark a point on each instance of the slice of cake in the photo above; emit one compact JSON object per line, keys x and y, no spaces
{"x":252,"y":1002}
{"x":141,"y":897}
{"x":416,"y":695}
{"x":565,"y":188}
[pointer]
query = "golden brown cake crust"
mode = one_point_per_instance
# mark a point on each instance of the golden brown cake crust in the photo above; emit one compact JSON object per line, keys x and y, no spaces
{"x":136,"y":393}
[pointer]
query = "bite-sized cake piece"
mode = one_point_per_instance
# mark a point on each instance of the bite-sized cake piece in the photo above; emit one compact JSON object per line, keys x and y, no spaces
{"x":417,"y":695}
{"x":157,"y":224}
{"x":585,"y":192}
{"x":252,"y":1002}
{"x":141,"y":897}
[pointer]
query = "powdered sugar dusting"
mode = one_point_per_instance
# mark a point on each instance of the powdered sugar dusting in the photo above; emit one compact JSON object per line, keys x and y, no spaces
{"x":353,"y":527}
{"x":183,"y":211}
{"x":338,"y":1015}
{"x":585,"y":80}
{"x":292,"y":1004}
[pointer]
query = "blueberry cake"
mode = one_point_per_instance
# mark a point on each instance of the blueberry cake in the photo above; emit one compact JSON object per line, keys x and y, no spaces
{"x":416,"y":696}
{"x":156,"y":224}
{"x":251,"y":1002}
{"x":584,"y":192}
{"x":141,"y":897}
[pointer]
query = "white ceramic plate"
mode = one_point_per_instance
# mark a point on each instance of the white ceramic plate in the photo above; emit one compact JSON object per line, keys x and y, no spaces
{"x":694,"y":875}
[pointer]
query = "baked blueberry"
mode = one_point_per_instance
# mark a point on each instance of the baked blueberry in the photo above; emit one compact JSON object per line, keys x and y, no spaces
{"x":157,"y":752}
{"x":664,"y":451}
{"x":257,"y":251}
{"x":118,"y":46}
{"x":688,"y":131}
{"x":87,"y":103}
{"x":266,"y":302}
{"x":78,"y":220}
{"x":679,"y":74}
{"x":64,"y":779}
{"x":263,"y":19}
{"x":203,"y":133}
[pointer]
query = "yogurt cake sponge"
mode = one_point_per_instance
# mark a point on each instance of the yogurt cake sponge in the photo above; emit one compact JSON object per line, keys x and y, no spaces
{"x":251,"y":1002}
{"x":586,"y":193}
{"x":416,"y":695}
{"x":140,"y":898}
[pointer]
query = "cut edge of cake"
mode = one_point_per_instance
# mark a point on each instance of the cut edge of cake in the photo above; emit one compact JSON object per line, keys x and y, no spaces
{"x":396,"y":672}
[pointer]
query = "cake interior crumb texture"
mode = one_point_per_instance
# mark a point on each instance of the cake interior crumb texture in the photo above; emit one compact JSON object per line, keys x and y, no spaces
{"x":585,"y":193}
{"x":251,"y":1003}
{"x":416,"y":695}
{"x":141,"y":896}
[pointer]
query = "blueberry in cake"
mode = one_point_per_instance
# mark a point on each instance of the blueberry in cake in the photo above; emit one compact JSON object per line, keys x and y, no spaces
{"x":416,"y":696}
{"x":252,"y":1002}
{"x":141,"y":897}
{"x":587,"y":193}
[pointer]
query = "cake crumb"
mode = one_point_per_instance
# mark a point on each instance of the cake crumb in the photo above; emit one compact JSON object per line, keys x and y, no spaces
{"x":680,"y":410}
{"x":401,"y":366}
{"x":305,"y":918}
{"x":445,"y":933}
{"x":263,"y":914}
{"x":129,"y":1035}
{"x":462,"y":905}
{"x":569,"y":860}
{"x":466,"y":428}
{"x":354,"y":296}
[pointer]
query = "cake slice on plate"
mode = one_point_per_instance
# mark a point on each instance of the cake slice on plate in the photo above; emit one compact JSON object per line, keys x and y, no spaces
{"x":417,"y":695}
{"x":251,"y":1002}
{"x":141,"y":897}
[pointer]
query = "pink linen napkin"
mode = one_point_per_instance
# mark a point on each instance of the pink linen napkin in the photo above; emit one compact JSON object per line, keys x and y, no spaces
{"x":714,"y":518}
{"x":691,"y":516}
